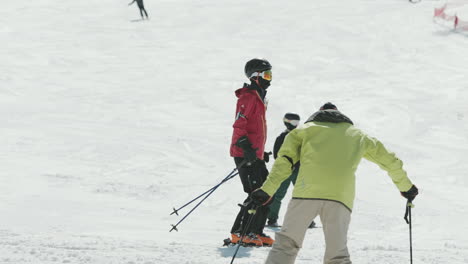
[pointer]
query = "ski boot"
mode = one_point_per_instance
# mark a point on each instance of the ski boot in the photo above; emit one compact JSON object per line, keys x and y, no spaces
{"x":266,"y":240}
{"x":251,"y":240}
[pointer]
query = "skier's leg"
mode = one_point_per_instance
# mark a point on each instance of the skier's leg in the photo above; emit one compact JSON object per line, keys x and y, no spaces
{"x":260,"y":219}
{"x":289,"y":240}
{"x":277,"y":198}
{"x":257,"y":178}
{"x":145,"y":13}
{"x":335,"y":219}
{"x":239,"y":223}
{"x":294,"y":174}
{"x":141,"y":14}
{"x":244,"y":175}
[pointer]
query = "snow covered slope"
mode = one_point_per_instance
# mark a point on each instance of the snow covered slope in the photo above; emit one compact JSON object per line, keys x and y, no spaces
{"x":107,"y":123}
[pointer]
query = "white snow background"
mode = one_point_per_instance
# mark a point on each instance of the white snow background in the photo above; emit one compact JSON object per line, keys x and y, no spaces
{"x":108,"y":122}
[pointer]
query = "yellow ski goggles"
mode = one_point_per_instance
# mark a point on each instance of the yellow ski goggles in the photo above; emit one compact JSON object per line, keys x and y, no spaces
{"x":266,"y":75}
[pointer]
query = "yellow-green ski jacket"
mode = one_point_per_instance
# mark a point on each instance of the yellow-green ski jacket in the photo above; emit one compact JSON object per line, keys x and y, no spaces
{"x":330,"y":149}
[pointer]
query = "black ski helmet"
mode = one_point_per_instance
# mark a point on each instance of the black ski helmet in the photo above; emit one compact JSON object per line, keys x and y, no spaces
{"x":288,"y":117}
{"x":328,"y":106}
{"x":256,"y":65}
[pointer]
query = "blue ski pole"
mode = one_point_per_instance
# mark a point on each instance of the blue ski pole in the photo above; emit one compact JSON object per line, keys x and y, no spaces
{"x":208,"y":193}
{"x":230,"y":176}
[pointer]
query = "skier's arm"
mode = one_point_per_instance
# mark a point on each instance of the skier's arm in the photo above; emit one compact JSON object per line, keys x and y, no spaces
{"x":245,"y":108}
{"x":388,"y":161}
{"x":276,"y":147}
{"x":288,"y":155}
{"x":132,"y":2}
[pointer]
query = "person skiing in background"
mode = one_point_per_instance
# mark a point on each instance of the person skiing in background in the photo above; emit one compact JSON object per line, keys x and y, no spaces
{"x":291,"y":121}
{"x":247,"y":149}
{"x":141,"y":7}
{"x":330,"y":149}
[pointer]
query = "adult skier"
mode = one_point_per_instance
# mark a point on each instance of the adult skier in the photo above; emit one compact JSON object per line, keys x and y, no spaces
{"x":247,"y":148}
{"x":291,"y":121}
{"x":141,"y":7}
{"x":330,"y":149}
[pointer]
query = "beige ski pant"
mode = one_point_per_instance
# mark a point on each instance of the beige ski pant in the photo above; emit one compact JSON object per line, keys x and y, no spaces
{"x":335,"y":219}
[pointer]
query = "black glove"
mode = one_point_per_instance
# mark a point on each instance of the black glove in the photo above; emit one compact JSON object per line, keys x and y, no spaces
{"x":266,"y":156}
{"x":411,"y":193}
{"x":259,"y":197}
{"x":250,"y":154}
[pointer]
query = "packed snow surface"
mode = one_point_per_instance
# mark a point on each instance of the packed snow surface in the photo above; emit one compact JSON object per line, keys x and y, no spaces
{"x":108,"y":122}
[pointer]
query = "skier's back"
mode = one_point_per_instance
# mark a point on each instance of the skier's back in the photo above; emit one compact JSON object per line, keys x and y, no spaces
{"x":330,"y":149}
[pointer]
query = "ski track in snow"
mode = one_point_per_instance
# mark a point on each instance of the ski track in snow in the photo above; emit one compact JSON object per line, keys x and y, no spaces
{"x":108,"y":124}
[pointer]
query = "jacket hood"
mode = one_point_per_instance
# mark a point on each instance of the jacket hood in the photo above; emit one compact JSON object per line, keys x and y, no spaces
{"x":242,"y":90}
{"x":331,"y":116}
{"x":261,"y":92}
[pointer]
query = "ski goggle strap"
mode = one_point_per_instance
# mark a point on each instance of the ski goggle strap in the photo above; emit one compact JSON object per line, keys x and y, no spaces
{"x":266,"y":75}
{"x":292,"y":122}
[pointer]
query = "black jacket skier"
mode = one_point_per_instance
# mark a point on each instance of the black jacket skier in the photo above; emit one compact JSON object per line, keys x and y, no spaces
{"x":141,"y":7}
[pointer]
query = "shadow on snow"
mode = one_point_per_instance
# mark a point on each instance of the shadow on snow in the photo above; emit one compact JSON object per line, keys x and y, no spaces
{"x":228,"y":252}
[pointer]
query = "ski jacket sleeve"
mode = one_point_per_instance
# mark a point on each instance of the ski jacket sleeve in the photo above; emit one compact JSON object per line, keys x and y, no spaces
{"x":289,"y":154}
{"x":378,"y":154}
{"x":245,"y":107}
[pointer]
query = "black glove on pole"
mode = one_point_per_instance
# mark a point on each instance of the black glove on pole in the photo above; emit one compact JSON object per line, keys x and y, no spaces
{"x":411,"y":193}
{"x":260,"y":197}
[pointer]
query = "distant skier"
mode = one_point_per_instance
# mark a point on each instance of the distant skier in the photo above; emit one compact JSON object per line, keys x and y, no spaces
{"x":141,"y":7}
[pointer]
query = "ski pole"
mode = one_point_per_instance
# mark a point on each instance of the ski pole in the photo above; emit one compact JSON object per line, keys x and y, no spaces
{"x":407,"y":218}
{"x":230,"y":176}
{"x":174,"y":227}
{"x":252,"y":213}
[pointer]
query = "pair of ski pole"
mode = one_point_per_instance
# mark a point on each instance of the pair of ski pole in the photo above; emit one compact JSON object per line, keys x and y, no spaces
{"x":206,"y":194}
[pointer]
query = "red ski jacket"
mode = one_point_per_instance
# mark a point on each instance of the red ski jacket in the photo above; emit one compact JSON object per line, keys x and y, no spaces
{"x":250,"y":121}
